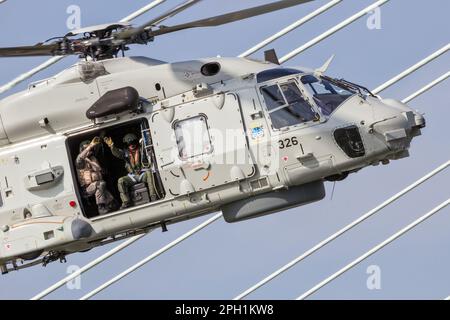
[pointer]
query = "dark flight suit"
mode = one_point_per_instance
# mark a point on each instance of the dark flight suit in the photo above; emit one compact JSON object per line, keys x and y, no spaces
{"x":136,"y":174}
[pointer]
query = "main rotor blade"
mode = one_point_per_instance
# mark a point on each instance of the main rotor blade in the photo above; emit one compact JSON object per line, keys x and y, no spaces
{"x":129,"y":33}
{"x":36,"y":50}
{"x":231,"y":17}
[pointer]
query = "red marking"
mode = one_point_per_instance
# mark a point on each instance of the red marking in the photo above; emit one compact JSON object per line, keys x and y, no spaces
{"x":73,"y":204}
{"x":285,"y":158}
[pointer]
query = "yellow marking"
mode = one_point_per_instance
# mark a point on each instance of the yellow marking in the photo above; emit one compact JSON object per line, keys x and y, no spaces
{"x":38,"y":222}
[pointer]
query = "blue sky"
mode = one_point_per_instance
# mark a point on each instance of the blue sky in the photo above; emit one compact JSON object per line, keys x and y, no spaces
{"x":225,"y":259}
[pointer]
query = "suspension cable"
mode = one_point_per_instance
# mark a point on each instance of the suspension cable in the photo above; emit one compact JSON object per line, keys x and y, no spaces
{"x":291,"y":27}
{"x":142,"y":10}
{"x":375,"y":249}
{"x":29,"y":74}
{"x":427,"y":87}
{"x":87,"y":267}
{"x":151,"y":257}
{"x":410,"y":70}
{"x":348,"y":227}
{"x":332,"y":31}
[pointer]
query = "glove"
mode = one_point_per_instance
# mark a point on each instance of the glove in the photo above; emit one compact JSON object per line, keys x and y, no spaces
{"x":95,"y":141}
{"x":108,"y":141}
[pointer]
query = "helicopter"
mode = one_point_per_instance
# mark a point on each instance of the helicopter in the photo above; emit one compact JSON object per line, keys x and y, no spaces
{"x":242,"y":136}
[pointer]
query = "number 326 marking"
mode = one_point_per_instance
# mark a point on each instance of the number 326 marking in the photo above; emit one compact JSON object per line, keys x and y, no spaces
{"x":287,"y":143}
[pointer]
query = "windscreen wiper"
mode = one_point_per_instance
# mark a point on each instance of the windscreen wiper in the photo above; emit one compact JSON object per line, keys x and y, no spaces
{"x":357,"y":86}
{"x":349,"y":85}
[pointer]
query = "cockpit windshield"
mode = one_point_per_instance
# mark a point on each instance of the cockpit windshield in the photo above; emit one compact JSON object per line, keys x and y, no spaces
{"x":327,"y":94}
{"x":286,"y":105}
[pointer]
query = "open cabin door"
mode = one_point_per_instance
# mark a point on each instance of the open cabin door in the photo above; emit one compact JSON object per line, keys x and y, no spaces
{"x":201,"y":144}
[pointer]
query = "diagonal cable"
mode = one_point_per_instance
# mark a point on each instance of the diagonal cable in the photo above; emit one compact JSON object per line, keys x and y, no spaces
{"x":427,"y":87}
{"x":345,"y":229}
{"x":151,"y":257}
{"x":375,"y":249}
{"x":332,"y":31}
{"x":290,"y":28}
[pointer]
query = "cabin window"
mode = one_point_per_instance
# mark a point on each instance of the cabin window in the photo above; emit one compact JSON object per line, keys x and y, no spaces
{"x":192,"y":137}
{"x":286,"y":105}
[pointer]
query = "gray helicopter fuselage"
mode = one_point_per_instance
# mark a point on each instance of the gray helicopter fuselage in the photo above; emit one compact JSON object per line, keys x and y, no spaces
{"x":218,"y":143}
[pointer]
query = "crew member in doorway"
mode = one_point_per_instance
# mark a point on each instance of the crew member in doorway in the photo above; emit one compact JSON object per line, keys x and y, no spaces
{"x":90,"y":176}
{"x":134,"y":163}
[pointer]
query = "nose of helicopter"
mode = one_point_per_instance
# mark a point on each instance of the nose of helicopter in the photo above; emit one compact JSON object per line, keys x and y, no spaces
{"x":398,"y":126}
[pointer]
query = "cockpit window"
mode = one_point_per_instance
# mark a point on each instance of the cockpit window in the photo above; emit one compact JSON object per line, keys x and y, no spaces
{"x":286,"y":105}
{"x":327,"y":95}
